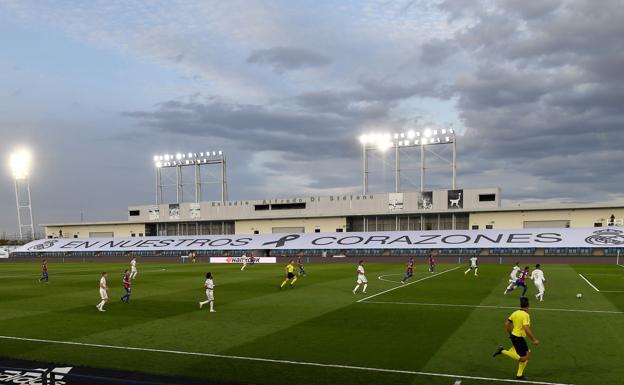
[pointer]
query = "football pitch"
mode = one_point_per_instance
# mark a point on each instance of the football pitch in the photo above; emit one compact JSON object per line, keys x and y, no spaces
{"x":441,"y":328}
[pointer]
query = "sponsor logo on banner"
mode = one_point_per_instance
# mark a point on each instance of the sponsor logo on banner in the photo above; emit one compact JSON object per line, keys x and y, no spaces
{"x":33,"y":377}
{"x":240,"y":259}
{"x":606,"y":237}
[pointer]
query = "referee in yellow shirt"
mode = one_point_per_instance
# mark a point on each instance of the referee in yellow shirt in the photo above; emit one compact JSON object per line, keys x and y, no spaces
{"x":518,"y":325}
{"x":290,"y":274}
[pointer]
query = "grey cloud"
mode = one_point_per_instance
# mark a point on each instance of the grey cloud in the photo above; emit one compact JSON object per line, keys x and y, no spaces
{"x":287,"y":58}
{"x":436,"y":52}
{"x":530,"y":9}
{"x":298,"y":133}
{"x":543,"y":99}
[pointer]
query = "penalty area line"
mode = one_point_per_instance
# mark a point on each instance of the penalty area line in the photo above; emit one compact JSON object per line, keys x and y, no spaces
{"x":276,"y":361}
{"x":407,"y":284}
{"x":589,"y":283}
{"x":493,"y":307}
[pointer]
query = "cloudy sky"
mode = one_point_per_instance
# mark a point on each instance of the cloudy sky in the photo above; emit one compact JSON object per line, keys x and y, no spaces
{"x":96,"y":88}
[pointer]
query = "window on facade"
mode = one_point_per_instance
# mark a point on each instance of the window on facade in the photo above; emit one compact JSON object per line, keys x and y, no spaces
{"x":446,"y":222}
{"x":261,"y":207}
{"x":288,"y":206}
{"x":134,"y":213}
{"x":317,"y":230}
{"x":598,"y":224}
{"x":339,"y":230}
{"x":475,"y":227}
{"x":489,"y":227}
{"x":487,"y":197}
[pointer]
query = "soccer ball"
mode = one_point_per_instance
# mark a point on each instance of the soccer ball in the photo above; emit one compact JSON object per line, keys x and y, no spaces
{"x":579,"y":296}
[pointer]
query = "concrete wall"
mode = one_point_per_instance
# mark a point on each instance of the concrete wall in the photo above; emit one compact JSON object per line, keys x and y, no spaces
{"x":320,"y":206}
{"x":516,"y":219}
{"x":310,"y":224}
{"x":82,"y":231}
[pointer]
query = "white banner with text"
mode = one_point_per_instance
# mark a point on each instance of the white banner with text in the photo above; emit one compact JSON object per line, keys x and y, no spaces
{"x":443,"y":239}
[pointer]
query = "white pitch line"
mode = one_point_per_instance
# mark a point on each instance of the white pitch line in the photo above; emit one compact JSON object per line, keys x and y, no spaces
{"x":458,"y":382}
{"x":407,"y":284}
{"x":589,"y":283}
{"x":276,"y":361}
{"x":387,"y":280}
{"x":494,"y":307}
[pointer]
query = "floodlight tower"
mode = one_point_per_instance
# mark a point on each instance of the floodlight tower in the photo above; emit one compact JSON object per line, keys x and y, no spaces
{"x":19,"y":162}
{"x":424,"y":139}
{"x":187,"y":160}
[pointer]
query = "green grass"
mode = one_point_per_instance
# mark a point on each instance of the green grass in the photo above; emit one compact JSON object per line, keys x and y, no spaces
{"x":319,"y":322}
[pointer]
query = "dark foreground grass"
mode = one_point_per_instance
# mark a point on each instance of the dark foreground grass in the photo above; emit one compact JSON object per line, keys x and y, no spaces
{"x":409,"y":329}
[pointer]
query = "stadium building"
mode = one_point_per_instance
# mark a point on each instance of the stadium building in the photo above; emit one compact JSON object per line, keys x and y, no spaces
{"x":458,"y":209}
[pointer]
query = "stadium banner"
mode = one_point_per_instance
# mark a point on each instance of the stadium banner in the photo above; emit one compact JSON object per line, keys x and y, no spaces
{"x":443,"y":239}
{"x":240,"y":259}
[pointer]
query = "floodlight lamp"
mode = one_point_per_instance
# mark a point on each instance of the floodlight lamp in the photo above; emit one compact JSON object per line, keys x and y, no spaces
{"x":166,"y":157}
{"x":190,"y":154}
{"x":384,"y":146}
{"x":178,"y":156}
{"x":155,"y":158}
{"x":448,"y":139}
{"x":400,"y":142}
{"x":451,"y":131}
{"x":158,"y":164}
{"x":443,"y":131}
{"x":19,"y":162}
{"x":435,"y":132}
{"x":396,"y":136}
{"x":428,"y":132}
{"x":402,"y":135}
{"x":220,"y":152}
{"x":411,"y":134}
{"x":214,"y":153}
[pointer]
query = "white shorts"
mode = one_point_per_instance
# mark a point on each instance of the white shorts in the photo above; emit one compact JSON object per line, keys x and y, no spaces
{"x":103,"y":294}
{"x":361,"y":279}
{"x":210,"y":295}
{"x":133,"y":270}
{"x":540,"y":286}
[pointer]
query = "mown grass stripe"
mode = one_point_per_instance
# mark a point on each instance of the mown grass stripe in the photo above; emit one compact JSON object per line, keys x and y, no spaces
{"x":270,"y":360}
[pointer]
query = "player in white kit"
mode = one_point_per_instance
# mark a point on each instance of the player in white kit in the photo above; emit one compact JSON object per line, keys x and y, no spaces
{"x":244,"y":257}
{"x":209,"y":286}
{"x":513,"y":276}
{"x":103,"y":292}
{"x":473,"y":266}
{"x":361,"y":278}
{"x":538,"y":279}
{"x":133,"y":269}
